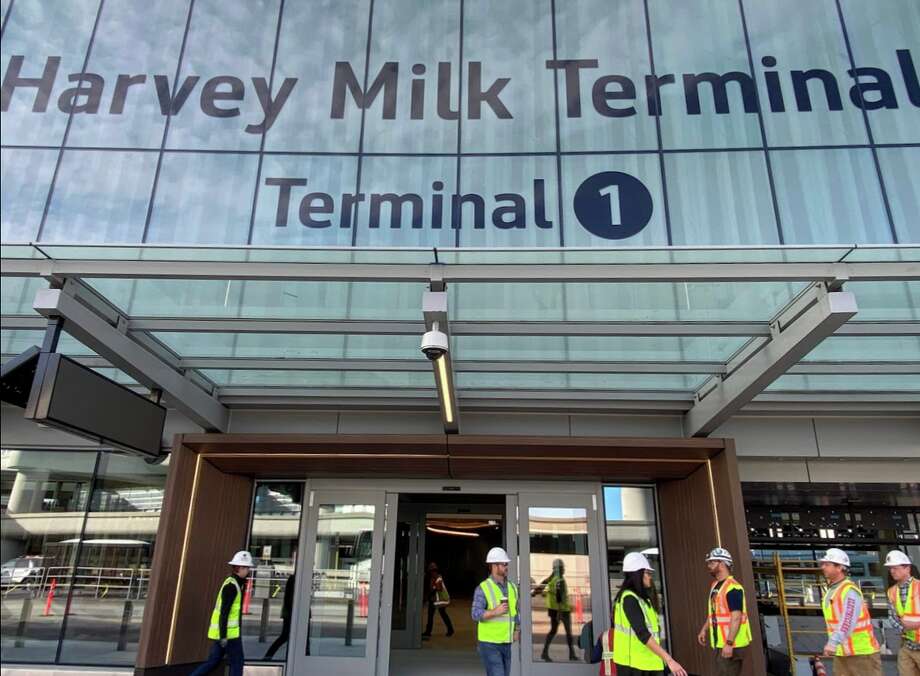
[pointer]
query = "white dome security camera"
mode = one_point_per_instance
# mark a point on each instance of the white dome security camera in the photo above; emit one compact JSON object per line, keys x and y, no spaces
{"x":434,"y":344}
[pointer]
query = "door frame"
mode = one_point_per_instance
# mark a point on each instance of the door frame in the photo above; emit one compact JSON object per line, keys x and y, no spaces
{"x":297,"y":661}
{"x":381,"y":603}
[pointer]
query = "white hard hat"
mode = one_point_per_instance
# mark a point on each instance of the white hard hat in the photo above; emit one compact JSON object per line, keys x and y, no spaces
{"x":837,"y":556}
{"x":497,"y":555}
{"x":897,"y":558}
{"x":635,"y":561}
{"x":720,"y":554}
{"x":241,"y":558}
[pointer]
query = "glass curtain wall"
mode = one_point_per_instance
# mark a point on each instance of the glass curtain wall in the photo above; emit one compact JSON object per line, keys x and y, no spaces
{"x":78,"y":534}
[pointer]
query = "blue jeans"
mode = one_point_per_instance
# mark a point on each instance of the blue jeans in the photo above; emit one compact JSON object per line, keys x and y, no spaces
{"x":234,"y":653}
{"x":496,"y":658}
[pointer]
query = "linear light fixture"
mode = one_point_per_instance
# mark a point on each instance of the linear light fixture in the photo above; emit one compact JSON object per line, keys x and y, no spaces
{"x":434,"y":309}
{"x":444,"y":531}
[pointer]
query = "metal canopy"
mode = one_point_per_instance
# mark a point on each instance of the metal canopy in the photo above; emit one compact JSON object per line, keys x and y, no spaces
{"x":704,"y":333}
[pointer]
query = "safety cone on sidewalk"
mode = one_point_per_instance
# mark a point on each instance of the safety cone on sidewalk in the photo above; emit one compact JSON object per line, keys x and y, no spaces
{"x":50,"y":596}
{"x":247,"y":596}
{"x":579,"y":609}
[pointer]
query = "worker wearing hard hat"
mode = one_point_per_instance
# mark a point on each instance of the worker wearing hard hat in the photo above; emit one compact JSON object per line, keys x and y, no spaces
{"x":226,"y":619}
{"x":850,"y":639}
{"x":726,"y":628}
{"x":636,"y":626}
{"x":495,"y":610}
{"x":904,"y":611}
{"x":558,"y":607}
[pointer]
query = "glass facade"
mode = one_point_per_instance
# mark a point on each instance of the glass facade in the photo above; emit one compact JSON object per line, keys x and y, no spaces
{"x":527,"y":124}
{"x":79,"y":529}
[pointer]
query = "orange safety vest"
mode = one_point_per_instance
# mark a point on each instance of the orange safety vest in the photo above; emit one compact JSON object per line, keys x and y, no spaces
{"x":608,"y":668}
{"x":862,"y":640}
{"x":909,"y":612}
{"x":723,"y":615}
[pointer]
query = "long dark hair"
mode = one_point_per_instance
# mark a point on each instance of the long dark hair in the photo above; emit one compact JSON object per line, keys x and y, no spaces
{"x":633,"y":582}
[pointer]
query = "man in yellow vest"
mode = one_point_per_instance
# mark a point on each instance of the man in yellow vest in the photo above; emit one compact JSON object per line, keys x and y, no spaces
{"x":904,"y":611}
{"x":636,"y":625}
{"x":726,"y":627}
{"x":495,"y":610}
{"x":850,"y":639}
{"x":559,"y":609}
{"x":226,"y":619}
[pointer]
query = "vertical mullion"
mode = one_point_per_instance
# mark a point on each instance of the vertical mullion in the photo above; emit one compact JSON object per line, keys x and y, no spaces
{"x":558,"y":129}
{"x":763,"y":127}
{"x":6,"y":17}
{"x":367,"y":68}
{"x":865,"y":114}
{"x":77,"y":554}
{"x":73,"y":104}
{"x":271,"y":88}
{"x":457,"y":187}
{"x":664,"y":182}
{"x":156,"y":174}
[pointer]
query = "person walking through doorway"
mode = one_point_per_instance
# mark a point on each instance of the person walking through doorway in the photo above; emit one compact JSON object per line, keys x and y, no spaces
{"x":636,"y":627}
{"x":495,"y":610}
{"x":438,"y":599}
{"x":726,"y":628}
{"x":226,"y":619}
{"x":558,"y":608}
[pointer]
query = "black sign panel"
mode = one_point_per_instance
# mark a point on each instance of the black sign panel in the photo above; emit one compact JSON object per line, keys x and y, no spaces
{"x":76,"y":399}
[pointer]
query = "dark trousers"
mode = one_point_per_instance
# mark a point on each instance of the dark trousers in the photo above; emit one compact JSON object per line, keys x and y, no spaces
{"x":629,"y":671}
{"x":496,"y":658}
{"x":555,"y":616}
{"x":233,"y":652}
{"x":281,"y":640}
{"x":442,"y":611}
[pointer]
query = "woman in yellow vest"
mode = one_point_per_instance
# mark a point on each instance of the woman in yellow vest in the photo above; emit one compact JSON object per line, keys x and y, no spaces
{"x":226,"y":618}
{"x":904,"y":611}
{"x":636,"y":627}
{"x":850,"y":639}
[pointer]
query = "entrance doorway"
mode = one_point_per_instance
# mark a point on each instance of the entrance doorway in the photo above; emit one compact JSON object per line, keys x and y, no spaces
{"x":362,"y":607}
{"x":440,"y":537}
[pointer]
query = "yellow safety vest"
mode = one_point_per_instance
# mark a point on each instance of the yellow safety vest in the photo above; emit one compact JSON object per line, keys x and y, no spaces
{"x":497,"y":629}
{"x":233,"y":621}
{"x":911,"y":611}
{"x":551,"y":601}
{"x":607,"y":642}
{"x":862,"y":640}
{"x":719,"y":612}
{"x":628,"y":650}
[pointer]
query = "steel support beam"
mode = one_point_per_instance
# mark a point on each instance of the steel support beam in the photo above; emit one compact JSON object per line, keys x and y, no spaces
{"x":803,"y":324}
{"x":114,"y":345}
{"x":463,"y":272}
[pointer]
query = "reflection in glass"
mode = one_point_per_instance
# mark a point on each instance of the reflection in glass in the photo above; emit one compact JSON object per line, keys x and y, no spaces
{"x":203,"y":199}
{"x":112,"y":576}
{"x":676,"y":30}
{"x":44,"y":497}
{"x":37,"y":30}
{"x":341,"y":581}
{"x":560,"y":581}
{"x":132,"y":38}
{"x":273,"y":545}
{"x":830,"y":197}
{"x":100,"y":196}
{"x":900,"y":169}
{"x":25,"y":176}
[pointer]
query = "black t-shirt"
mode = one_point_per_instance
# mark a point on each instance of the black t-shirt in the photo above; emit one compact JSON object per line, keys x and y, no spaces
{"x":734,"y":598}
{"x":636,"y":618}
